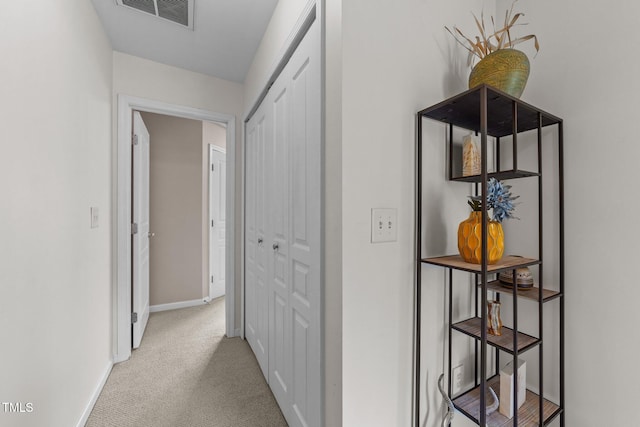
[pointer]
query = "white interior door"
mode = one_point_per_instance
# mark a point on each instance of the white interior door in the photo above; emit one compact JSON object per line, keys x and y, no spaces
{"x":256,"y":295}
{"x":140,"y":232}
{"x":284,"y":196}
{"x":217,"y":220}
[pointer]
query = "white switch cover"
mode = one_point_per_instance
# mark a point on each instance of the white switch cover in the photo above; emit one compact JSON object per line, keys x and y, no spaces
{"x":384,"y":226}
{"x":95,"y":216}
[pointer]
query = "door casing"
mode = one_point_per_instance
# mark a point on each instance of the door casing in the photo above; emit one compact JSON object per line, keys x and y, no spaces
{"x":121,"y":214}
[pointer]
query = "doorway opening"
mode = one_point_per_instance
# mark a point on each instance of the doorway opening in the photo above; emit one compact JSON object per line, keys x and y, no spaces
{"x":186,"y":210}
{"x":122,"y":299}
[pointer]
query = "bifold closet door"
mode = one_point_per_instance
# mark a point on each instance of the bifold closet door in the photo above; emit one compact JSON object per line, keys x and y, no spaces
{"x":256,"y":293}
{"x":290,"y":119}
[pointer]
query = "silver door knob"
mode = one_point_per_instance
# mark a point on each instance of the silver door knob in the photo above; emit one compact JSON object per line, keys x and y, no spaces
{"x":150,"y":234}
{"x":275,"y":246}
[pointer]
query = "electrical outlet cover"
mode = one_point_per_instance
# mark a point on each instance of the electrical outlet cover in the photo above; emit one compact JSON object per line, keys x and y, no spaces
{"x":457,"y":378}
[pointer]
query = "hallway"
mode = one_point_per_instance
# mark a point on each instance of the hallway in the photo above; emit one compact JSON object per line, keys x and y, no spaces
{"x":187,"y":373}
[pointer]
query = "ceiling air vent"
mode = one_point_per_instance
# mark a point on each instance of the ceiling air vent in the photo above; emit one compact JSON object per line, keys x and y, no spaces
{"x":178,"y":11}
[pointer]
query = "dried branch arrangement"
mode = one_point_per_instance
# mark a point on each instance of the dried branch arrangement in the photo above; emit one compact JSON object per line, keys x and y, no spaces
{"x":501,"y":38}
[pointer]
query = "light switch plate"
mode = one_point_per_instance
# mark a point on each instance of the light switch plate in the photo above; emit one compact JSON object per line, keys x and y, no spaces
{"x":384,"y":226}
{"x":95,"y":217}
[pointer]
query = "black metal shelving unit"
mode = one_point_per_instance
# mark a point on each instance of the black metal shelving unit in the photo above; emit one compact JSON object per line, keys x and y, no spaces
{"x":493,"y":114}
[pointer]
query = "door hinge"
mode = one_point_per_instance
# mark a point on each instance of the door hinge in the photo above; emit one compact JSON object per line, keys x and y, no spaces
{"x":135,"y":139}
{"x":134,"y":228}
{"x":134,"y":317}
{"x":211,"y":223}
{"x":213,"y":167}
{"x":211,"y":279}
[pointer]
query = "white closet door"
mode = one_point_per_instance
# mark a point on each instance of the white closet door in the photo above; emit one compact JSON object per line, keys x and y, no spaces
{"x":284,"y":192}
{"x":256,"y":295}
{"x":305,"y":240}
{"x":280,"y":357}
{"x":294,"y":329}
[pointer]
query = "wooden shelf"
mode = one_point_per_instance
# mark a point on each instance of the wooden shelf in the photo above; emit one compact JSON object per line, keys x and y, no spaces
{"x":528,"y":414}
{"x":508,"y":262}
{"x":529,"y":293}
{"x":508,"y":174}
{"x":504,"y":342}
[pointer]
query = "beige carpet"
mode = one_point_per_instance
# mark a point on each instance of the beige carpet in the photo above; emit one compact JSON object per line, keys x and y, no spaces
{"x":187,"y":373}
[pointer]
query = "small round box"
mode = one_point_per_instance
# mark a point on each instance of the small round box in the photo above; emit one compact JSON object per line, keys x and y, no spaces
{"x":524,"y":278}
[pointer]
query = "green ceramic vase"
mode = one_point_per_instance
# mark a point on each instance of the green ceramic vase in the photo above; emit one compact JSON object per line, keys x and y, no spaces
{"x":504,"y":69}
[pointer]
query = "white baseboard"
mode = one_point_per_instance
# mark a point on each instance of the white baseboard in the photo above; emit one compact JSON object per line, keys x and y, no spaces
{"x":176,"y":305}
{"x":96,"y":394}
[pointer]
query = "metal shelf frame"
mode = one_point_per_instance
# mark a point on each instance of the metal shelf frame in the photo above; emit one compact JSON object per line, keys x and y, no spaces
{"x":491,"y":113}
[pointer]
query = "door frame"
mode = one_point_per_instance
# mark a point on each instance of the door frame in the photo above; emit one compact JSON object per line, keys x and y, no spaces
{"x":121,"y":219}
{"x":210,"y":218}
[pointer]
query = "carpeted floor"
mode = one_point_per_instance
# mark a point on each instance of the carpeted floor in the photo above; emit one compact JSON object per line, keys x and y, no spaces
{"x":187,"y":373}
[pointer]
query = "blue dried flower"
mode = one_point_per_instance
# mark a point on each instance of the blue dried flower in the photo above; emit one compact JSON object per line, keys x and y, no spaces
{"x":499,"y":198}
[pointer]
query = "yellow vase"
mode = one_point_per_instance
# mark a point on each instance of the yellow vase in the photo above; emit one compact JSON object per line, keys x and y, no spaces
{"x":504,"y":69}
{"x":470,"y":239}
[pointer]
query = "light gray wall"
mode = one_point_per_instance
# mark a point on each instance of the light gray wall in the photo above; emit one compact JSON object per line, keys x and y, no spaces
{"x":396,"y":59}
{"x":280,"y":26}
{"x":331,"y":13}
{"x":175,"y":209}
{"x":214,"y":133}
{"x":55,"y":271}
{"x":593,"y":86}
{"x":578,"y":76}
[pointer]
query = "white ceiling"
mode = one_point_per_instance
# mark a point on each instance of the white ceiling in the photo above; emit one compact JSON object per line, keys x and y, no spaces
{"x":225,"y":38}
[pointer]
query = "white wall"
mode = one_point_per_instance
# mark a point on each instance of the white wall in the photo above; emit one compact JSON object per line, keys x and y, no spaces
{"x":331,"y":14}
{"x":175,"y":214}
{"x":214,"y":133}
{"x":151,"y":80}
{"x":591,"y":82}
{"x":55,"y":271}
{"x":397,"y":58}
{"x":280,"y":26}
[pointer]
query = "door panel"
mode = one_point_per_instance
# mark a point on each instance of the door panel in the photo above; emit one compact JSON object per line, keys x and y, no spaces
{"x":217,"y":208}
{"x":262,"y":291}
{"x":250,"y":311}
{"x":300,"y":395}
{"x":279,"y":322}
{"x":140,"y":240}
{"x":305,"y":210}
{"x":256,"y":295}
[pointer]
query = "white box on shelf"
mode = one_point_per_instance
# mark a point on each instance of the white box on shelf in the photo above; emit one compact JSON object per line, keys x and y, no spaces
{"x":506,"y":387}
